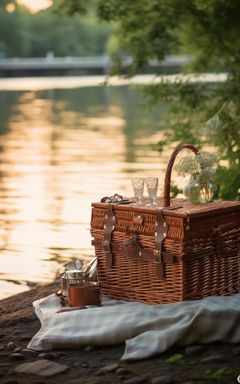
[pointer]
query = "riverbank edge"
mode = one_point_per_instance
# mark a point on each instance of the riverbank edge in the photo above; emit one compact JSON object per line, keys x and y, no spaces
{"x":214,"y":363}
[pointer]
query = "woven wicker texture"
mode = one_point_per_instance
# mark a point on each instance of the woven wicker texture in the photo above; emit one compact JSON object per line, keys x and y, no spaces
{"x":200,"y":252}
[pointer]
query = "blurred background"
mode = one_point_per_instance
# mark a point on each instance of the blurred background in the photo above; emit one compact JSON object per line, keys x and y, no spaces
{"x":67,"y":138}
{"x":63,"y":145}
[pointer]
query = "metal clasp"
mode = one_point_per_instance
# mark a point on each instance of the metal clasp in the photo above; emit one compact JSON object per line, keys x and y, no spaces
{"x":157,"y":256}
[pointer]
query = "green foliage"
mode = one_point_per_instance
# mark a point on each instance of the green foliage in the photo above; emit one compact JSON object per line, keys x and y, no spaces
{"x":24,"y":34}
{"x":175,"y":358}
{"x":14,"y":40}
{"x":220,"y":374}
{"x":224,"y":130}
{"x":174,"y":190}
{"x":227,"y":179}
{"x":151,"y":29}
{"x":142,"y":32}
{"x":208,"y":31}
{"x":216,"y":27}
{"x":67,"y":37}
{"x":71,"y":7}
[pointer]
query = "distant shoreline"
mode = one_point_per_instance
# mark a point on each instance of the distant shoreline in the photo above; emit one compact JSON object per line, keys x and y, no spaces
{"x":71,"y":82}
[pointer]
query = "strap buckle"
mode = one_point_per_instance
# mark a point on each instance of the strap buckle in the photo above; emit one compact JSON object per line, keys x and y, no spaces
{"x":106,"y":246}
{"x":157,"y":256}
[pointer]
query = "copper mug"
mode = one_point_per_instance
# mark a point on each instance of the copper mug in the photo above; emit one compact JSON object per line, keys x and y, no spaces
{"x":80,"y":295}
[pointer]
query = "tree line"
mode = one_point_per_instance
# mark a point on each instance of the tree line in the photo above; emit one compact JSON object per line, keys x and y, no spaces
{"x":201,"y":113}
{"x":26,"y":34}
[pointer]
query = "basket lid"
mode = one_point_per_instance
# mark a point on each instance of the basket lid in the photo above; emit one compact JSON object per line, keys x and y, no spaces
{"x":180,"y":207}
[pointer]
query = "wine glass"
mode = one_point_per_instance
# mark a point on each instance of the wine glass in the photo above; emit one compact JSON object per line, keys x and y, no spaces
{"x":138,"y":188}
{"x":152,"y":187}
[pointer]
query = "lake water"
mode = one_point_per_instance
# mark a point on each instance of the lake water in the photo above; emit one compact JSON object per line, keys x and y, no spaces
{"x":61,"y":148}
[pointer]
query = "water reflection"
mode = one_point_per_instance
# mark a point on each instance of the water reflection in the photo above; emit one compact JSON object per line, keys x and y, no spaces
{"x":61,"y":150}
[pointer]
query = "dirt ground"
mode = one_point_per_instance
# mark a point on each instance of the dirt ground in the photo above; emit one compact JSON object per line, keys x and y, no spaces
{"x":214,"y":363}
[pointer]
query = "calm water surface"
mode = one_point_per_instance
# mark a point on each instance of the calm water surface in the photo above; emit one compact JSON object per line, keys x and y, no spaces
{"x":60,"y":150}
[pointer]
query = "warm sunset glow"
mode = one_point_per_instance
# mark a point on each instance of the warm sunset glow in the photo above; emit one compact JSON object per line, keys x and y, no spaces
{"x":10,"y":8}
{"x":61,"y":151}
{"x":36,"y":5}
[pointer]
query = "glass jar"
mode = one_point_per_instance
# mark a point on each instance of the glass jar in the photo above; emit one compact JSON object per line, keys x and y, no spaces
{"x":198,"y":190}
{"x":68,"y":278}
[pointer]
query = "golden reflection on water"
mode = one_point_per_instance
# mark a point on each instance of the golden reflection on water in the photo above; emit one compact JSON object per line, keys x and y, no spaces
{"x":54,"y":162}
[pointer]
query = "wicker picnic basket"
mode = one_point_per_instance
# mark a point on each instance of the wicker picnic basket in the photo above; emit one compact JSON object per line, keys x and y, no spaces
{"x":176,"y":251}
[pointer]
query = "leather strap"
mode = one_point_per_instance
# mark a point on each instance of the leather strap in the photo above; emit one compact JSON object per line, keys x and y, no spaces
{"x":131,"y":247}
{"x":160,"y":234}
{"x":128,"y":249}
{"x":109,"y":223}
{"x":217,"y":236}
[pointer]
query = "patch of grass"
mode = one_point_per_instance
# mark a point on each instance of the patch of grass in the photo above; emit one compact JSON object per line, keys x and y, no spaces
{"x":218,"y":374}
{"x":175,"y":358}
{"x":190,"y":362}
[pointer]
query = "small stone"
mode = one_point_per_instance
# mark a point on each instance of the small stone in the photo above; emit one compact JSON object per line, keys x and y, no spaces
{"x":108,"y":368}
{"x":42,"y":368}
{"x":4,"y":355}
{"x":4,"y":365}
{"x":123,"y":371}
{"x":165,"y":379}
{"x":76,"y":364}
{"x":214,"y":359}
{"x":58,"y":355}
{"x":137,"y":380}
{"x":88,"y":348}
{"x":18,"y":349}
{"x":40,"y":382}
{"x":189,"y":382}
{"x":17,"y":356}
{"x":194,"y":350}
{"x":237,"y":351}
{"x":24,"y":338}
{"x":46,"y":355}
{"x":29,"y":352}
{"x":11,"y":346}
{"x":85,"y":365}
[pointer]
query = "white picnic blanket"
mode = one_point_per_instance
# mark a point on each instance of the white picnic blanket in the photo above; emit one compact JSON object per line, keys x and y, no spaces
{"x":147,"y":329}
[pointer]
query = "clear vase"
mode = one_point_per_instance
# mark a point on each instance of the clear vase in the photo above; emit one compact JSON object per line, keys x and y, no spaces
{"x":199,"y":192}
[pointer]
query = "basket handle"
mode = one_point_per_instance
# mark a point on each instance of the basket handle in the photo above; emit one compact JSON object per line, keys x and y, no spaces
{"x":167,"y":181}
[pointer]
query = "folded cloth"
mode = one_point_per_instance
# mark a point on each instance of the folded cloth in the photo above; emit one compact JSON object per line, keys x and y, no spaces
{"x":147,"y":329}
